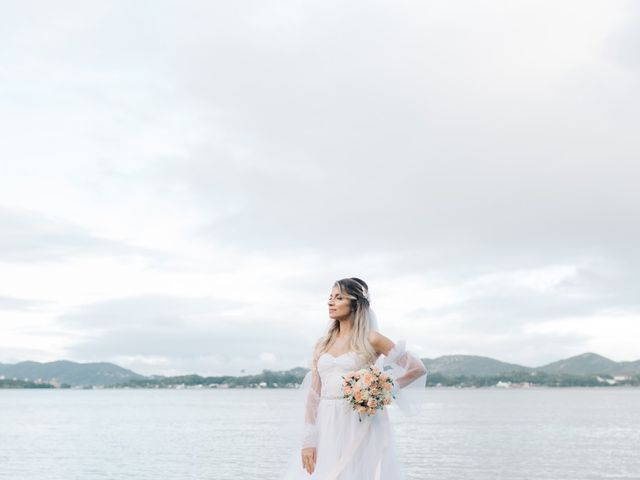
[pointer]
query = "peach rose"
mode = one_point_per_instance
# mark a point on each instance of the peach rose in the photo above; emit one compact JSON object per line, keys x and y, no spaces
{"x":367,"y":379}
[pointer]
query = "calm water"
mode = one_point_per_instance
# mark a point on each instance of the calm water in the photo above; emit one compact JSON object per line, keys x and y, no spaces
{"x":477,"y":434}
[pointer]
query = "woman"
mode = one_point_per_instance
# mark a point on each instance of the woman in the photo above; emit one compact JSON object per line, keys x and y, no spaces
{"x":336,"y":445}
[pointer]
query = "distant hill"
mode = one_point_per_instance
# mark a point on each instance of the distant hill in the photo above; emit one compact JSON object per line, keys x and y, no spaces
{"x":583,"y":364}
{"x":72,"y":373}
{"x":103,"y":373}
{"x":591,"y":363}
{"x":454,"y":365}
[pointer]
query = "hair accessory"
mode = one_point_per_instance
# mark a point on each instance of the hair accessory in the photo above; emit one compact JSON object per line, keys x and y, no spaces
{"x":365,"y":294}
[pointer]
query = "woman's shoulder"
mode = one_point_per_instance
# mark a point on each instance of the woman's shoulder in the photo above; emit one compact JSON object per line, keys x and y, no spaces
{"x":379,"y":342}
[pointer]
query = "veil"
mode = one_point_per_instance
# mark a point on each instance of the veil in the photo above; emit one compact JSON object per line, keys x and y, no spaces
{"x":373,"y":320}
{"x":407,"y":371}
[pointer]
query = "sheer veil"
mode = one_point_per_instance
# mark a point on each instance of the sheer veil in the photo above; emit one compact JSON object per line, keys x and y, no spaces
{"x":408,"y":372}
{"x":373,"y":320}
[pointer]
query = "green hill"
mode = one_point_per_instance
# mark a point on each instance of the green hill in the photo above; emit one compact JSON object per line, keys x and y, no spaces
{"x":453,"y":365}
{"x":591,"y":363}
{"x":446,"y":369}
{"x":72,"y":373}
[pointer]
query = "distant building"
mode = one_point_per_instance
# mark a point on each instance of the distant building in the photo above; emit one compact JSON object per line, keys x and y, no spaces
{"x":610,"y":381}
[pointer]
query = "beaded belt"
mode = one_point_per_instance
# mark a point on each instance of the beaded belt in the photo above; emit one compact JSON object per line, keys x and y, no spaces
{"x":331,"y":397}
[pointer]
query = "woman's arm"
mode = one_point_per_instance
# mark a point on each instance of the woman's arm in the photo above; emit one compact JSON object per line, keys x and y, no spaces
{"x":310,"y":434}
{"x":311,"y":408}
{"x":396,"y":354}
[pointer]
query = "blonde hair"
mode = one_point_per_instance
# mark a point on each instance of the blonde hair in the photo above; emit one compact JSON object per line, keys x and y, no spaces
{"x":358,"y":291}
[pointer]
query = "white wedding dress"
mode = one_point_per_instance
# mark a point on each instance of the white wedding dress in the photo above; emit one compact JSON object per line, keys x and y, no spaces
{"x":347,"y":448}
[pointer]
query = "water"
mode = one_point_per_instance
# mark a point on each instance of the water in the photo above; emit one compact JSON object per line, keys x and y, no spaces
{"x":474,"y":434}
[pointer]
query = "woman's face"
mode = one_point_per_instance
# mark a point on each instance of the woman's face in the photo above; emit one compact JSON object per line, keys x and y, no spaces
{"x":339,"y":304}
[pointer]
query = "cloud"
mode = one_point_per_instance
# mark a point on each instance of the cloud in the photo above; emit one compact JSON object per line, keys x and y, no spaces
{"x":163,"y":333}
{"x":509,"y":300}
{"x":455,"y":158}
{"x":8,"y":303}
{"x":27,"y":236}
{"x":424,"y":147}
{"x":621,"y":47}
{"x":447,"y":159}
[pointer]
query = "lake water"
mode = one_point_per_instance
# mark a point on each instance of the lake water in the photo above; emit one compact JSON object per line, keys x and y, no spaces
{"x":471,"y":434}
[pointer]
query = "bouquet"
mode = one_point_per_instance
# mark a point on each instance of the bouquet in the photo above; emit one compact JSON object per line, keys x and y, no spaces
{"x":367,"y":390}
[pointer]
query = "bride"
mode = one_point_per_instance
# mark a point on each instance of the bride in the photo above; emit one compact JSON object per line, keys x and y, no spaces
{"x":335,"y":444}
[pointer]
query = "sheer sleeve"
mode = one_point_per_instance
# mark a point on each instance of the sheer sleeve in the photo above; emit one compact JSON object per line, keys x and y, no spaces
{"x":412,"y":366}
{"x":409,"y":376}
{"x":312,"y":386}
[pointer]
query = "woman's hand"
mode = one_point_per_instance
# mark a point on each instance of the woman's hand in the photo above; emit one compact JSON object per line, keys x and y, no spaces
{"x":309,"y":459}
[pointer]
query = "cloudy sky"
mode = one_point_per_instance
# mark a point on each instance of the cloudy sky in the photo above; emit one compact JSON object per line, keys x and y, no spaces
{"x":182,"y":181}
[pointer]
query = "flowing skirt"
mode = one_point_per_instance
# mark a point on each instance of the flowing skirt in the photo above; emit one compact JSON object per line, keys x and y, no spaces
{"x":349,"y":449}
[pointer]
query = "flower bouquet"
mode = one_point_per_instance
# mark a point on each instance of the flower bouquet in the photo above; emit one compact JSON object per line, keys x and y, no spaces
{"x":367,"y":390}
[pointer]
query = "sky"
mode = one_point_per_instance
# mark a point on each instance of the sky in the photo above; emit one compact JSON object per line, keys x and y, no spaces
{"x":182,"y":182}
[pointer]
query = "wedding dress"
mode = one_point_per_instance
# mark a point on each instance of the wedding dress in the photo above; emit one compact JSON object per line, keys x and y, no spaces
{"x":347,"y":448}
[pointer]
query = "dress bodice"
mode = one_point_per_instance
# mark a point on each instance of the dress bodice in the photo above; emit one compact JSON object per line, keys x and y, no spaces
{"x":331,"y":370}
